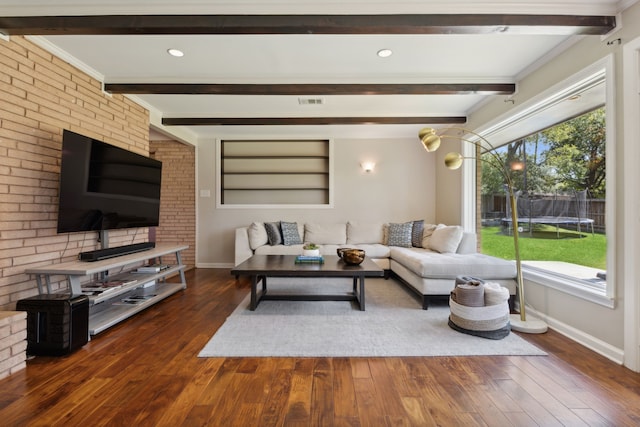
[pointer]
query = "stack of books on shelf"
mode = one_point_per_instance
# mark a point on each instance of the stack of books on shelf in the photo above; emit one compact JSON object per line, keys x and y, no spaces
{"x":305,"y":259}
{"x":153,"y":268}
{"x":97,"y":288}
{"x":134,"y":299}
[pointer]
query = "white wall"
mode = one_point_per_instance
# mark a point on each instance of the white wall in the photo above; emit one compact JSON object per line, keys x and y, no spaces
{"x":401,"y":188}
{"x":449,"y":183}
{"x":596,"y":326}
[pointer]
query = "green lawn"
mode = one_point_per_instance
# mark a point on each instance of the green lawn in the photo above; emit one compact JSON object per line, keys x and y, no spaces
{"x":544,"y":245}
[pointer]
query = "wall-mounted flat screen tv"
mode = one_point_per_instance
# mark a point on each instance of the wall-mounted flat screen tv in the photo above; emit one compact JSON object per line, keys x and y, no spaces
{"x":103,"y":187}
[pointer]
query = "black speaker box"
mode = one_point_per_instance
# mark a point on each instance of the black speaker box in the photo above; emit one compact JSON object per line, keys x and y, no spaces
{"x":57,"y":324}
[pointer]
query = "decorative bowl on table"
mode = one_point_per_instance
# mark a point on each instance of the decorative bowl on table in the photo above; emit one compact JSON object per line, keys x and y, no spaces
{"x":351,"y":256}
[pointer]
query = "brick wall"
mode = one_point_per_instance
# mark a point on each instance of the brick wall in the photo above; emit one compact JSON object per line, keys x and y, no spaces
{"x":40,"y":95}
{"x":13,"y":344}
{"x":178,"y":199}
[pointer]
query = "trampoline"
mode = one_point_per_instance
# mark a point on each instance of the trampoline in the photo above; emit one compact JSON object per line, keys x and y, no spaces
{"x":568,"y":209}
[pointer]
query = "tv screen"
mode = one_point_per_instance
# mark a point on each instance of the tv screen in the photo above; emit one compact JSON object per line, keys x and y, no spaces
{"x":103,"y":187}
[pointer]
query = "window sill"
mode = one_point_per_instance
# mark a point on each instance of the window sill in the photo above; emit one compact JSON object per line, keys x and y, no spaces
{"x":571,"y":279}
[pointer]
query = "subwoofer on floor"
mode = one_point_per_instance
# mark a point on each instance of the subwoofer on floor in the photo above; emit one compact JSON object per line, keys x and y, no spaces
{"x":57,"y":324}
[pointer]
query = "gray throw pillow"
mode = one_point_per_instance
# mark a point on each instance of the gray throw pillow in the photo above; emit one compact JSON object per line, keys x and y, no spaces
{"x":416,"y":233}
{"x":400,"y":234}
{"x":290,"y":235}
{"x":273,"y":233}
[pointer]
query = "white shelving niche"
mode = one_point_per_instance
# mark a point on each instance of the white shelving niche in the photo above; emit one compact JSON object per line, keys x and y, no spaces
{"x":118,"y":303}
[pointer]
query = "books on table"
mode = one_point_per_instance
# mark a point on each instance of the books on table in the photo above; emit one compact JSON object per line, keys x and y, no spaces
{"x":307,"y":259}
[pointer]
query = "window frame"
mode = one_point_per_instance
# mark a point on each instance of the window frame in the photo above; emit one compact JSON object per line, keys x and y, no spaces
{"x":470,"y":214}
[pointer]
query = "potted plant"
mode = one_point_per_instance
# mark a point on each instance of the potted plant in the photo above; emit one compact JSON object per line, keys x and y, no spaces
{"x":311,"y":249}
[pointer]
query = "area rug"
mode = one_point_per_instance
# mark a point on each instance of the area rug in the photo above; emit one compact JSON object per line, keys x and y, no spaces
{"x":392,"y":325}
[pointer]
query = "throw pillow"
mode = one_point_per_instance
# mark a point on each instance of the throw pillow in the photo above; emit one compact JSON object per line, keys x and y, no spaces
{"x":428,"y":231}
{"x":416,"y":233}
{"x":273,"y":232}
{"x":290,"y":235}
{"x":400,"y":234}
{"x":257,"y":235}
{"x":446,"y":239}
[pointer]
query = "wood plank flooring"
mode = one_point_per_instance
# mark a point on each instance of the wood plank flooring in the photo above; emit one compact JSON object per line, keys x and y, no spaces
{"x":144,"y":372}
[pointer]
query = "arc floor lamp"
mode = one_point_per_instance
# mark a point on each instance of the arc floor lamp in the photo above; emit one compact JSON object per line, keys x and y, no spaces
{"x":431,"y":141}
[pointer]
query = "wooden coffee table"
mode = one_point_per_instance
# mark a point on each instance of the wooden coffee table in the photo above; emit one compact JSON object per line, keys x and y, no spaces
{"x":259,"y":267}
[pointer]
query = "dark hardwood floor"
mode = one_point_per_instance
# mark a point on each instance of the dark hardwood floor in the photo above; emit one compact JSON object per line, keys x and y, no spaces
{"x":144,"y":372}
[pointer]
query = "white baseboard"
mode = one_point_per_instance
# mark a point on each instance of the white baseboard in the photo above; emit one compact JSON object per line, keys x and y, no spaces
{"x":607,"y":350}
{"x":214,"y":265}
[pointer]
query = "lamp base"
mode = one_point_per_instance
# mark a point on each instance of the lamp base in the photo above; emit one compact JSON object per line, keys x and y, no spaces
{"x":529,"y":326}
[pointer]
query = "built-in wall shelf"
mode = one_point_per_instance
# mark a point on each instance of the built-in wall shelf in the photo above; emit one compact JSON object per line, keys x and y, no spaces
{"x":275,"y":172}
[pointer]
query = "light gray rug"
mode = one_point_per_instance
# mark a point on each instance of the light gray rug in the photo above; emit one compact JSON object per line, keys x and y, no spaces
{"x":392,"y":325}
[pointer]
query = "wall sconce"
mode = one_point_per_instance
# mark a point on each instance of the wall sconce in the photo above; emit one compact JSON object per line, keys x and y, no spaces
{"x":368,"y":166}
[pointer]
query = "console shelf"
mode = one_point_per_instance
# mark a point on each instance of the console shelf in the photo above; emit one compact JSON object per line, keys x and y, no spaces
{"x":108,"y":313}
{"x":108,"y":308}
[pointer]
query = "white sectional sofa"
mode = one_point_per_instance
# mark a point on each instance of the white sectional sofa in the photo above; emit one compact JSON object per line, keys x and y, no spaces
{"x":425,"y":257}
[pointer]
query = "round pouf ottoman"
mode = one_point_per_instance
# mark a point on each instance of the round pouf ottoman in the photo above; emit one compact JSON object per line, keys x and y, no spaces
{"x":480,"y":308}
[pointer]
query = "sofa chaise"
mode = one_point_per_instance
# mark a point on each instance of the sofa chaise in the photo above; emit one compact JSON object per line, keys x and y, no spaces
{"x":424,"y":257}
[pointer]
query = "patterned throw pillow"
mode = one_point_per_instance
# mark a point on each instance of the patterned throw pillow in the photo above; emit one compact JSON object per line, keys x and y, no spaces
{"x":400,"y":234}
{"x":416,"y":233}
{"x":290,"y":235}
{"x":273,"y":233}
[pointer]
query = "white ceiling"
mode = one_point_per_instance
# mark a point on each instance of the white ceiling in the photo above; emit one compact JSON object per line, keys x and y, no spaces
{"x":330,"y":59}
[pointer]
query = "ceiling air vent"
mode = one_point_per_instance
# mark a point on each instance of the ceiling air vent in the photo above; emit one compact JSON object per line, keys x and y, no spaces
{"x":310,"y":101}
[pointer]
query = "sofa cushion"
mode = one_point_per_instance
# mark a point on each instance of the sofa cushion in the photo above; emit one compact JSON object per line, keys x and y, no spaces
{"x":358,"y":232}
{"x":400,"y":234}
{"x":325,"y":233}
{"x":446,"y":239}
{"x":427,"y":263}
{"x":257,"y":235}
{"x":373,"y":250}
{"x":273,"y":232}
{"x":279,"y":250}
{"x":290,"y":235}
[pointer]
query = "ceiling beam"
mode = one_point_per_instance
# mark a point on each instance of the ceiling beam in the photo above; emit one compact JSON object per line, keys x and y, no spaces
{"x":308,"y":24}
{"x":311,"y":89}
{"x":302,"y":121}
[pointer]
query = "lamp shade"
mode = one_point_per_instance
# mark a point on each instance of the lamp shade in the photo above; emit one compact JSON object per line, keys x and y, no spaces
{"x":426,"y":131}
{"x":431,"y":142}
{"x":517,"y":165}
{"x":453,"y":160}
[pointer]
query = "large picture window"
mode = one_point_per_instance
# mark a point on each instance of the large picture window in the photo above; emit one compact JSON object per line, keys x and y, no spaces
{"x":557,"y":152}
{"x":559,"y":175}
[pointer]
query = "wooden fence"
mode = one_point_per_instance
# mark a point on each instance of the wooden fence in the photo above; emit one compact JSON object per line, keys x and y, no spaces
{"x":494,"y":208}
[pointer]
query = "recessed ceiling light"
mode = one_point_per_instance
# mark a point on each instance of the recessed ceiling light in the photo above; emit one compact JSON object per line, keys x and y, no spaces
{"x":175,"y":52}
{"x":385,"y":53}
